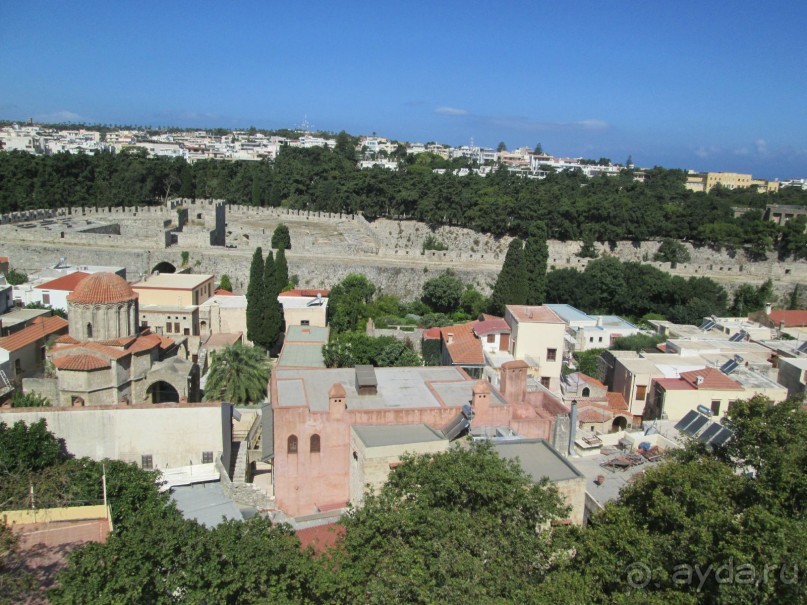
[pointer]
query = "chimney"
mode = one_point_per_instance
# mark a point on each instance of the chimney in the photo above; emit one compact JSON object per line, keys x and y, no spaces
{"x":572,"y":426}
{"x":768,"y":308}
{"x":514,"y":381}
{"x":481,"y":397}
{"x":698,"y":380}
{"x":336,"y":401}
{"x":449,"y":338}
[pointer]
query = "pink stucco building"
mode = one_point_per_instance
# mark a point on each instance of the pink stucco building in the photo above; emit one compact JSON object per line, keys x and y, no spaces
{"x":314,"y":410}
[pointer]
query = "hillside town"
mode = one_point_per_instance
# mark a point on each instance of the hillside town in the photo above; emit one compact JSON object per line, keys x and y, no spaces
{"x":372,"y":151}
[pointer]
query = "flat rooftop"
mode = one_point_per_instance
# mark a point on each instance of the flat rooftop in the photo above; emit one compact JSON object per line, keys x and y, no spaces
{"x":609,"y":489}
{"x":301,"y":355}
{"x":398,"y":388}
{"x":303,"y":302}
{"x":172,"y":281}
{"x":69,"y":224}
{"x":538,"y":459}
{"x":18,"y":316}
{"x":378,"y":435}
{"x":569,"y":314}
{"x":308,"y":334}
{"x":236,"y":301}
{"x":206,"y":503}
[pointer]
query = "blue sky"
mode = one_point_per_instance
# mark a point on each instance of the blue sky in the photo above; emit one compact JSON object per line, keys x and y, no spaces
{"x":708,"y":85}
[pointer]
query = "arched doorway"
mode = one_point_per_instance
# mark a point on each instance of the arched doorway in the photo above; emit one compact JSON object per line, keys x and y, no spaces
{"x":620,"y":423}
{"x":164,"y":267}
{"x":162,"y":392}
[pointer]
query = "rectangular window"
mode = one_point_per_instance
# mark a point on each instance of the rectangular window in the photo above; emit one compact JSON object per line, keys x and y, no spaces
{"x":176,"y":328}
{"x":186,"y":332}
{"x":545,"y":380}
{"x":146,"y":462}
{"x":491,"y":338}
{"x":17,"y":366}
{"x":305,"y":322}
{"x":46,"y":298}
{"x":551,"y":354}
{"x":207,"y":457}
{"x":641,"y":391}
{"x":716,"y":407}
{"x":144,"y":324}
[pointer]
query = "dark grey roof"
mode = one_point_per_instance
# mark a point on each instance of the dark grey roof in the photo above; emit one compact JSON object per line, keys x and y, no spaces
{"x":375,"y":435}
{"x":538,"y":459}
{"x":365,"y":376}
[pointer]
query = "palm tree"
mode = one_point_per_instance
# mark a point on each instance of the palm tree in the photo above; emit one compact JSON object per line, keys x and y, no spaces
{"x":238,"y":374}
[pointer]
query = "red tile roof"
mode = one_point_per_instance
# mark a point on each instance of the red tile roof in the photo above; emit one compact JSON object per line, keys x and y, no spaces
{"x":592,"y":381}
{"x":65,"y":282}
{"x":673,"y":384}
{"x":102,"y":288}
{"x":491,"y":325}
{"x":592,"y":414}
{"x":66,"y":339}
{"x":81,"y":363}
{"x":713,"y":379}
{"x":616,"y":402}
{"x":40,"y":328}
{"x":110,"y":352}
{"x":145,"y":343}
{"x":465,"y":348}
{"x":221,"y":292}
{"x":431,"y":334}
{"x":792,"y":319}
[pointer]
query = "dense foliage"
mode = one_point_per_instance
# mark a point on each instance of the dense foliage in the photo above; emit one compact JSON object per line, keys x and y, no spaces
{"x":238,"y":374}
{"x":572,"y":206}
{"x":354,"y":348}
{"x":631,"y":289}
{"x":264,"y":317}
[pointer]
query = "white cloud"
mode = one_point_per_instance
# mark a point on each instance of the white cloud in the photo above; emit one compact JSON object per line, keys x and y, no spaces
{"x":451,"y":111}
{"x":761,"y":146}
{"x":591,"y":124}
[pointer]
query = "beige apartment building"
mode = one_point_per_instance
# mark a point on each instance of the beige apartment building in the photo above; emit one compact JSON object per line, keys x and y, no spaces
{"x":537,"y":337}
{"x":706,"y":181}
{"x":174,"y":289}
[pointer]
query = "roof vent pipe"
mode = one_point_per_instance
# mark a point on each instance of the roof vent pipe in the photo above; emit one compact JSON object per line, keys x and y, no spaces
{"x":572,"y":426}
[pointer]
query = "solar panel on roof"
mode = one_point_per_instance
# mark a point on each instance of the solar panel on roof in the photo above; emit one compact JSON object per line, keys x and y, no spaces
{"x":696,"y":425}
{"x":688,"y":419}
{"x":729,"y":366}
{"x":707,"y":325}
{"x":722,"y":437}
{"x":739,"y":336}
{"x":710,"y":432}
{"x":803,"y":347}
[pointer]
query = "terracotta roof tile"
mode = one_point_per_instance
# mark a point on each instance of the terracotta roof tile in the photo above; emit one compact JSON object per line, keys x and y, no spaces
{"x":792,"y":319}
{"x":673,"y":384}
{"x":712,"y":379}
{"x":321,"y":536}
{"x":592,"y":381}
{"x":102,"y":288}
{"x":592,"y":414}
{"x":616,"y":402}
{"x":464,"y":346}
{"x":65,"y":282}
{"x":81,"y":363}
{"x":221,"y":292}
{"x":40,"y":328}
{"x":145,"y":343}
{"x":110,"y":352}
{"x":431,"y":334}
{"x":66,"y":339}
{"x":491,"y":325}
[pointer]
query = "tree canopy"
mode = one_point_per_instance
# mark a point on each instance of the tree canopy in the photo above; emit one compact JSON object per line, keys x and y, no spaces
{"x":238,"y":374}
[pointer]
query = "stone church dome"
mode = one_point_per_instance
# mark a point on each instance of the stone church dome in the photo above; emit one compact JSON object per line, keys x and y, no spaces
{"x":102,"y":289}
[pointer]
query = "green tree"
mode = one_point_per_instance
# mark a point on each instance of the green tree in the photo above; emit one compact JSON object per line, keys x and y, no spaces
{"x":794,"y":300}
{"x":238,"y":374}
{"x":588,"y":362}
{"x":345,"y":146}
{"x":511,"y":285}
{"x":443,"y":293}
{"x":671,"y":251}
{"x":16,"y":581}
{"x":463,"y":523}
{"x":536,"y":256}
{"x":281,"y":240}
{"x":637,"y":342}
{"x":256,"y":297}
{"x":472,"y":302}
{"x":272,"y":321}
{"x":29,"y":400}
{"x":793,"y":239}
{"x":501,"y":147}
{"x":16,"y":277}
{"x":281,"y":271}
{"x":587,"y":247}
{"x":347,"y":303}
{"x":225,"y":283}
{"x":31,"y":447}
{"x":539,"y":149}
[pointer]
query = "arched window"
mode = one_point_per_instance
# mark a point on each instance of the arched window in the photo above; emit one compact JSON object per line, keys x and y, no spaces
{"x":89,"y":330}
{"x":291,"y":445}
{"x":586,"y":392}
{"x":314,"y":444}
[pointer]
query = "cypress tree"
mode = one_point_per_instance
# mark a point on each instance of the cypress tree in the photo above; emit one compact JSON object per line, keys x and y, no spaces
{"x":281,"y":271}
{"x":272,"y":319}
{"x":511,"y":285}
{"x":536,"y":255}
{"x":255,"y":297}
